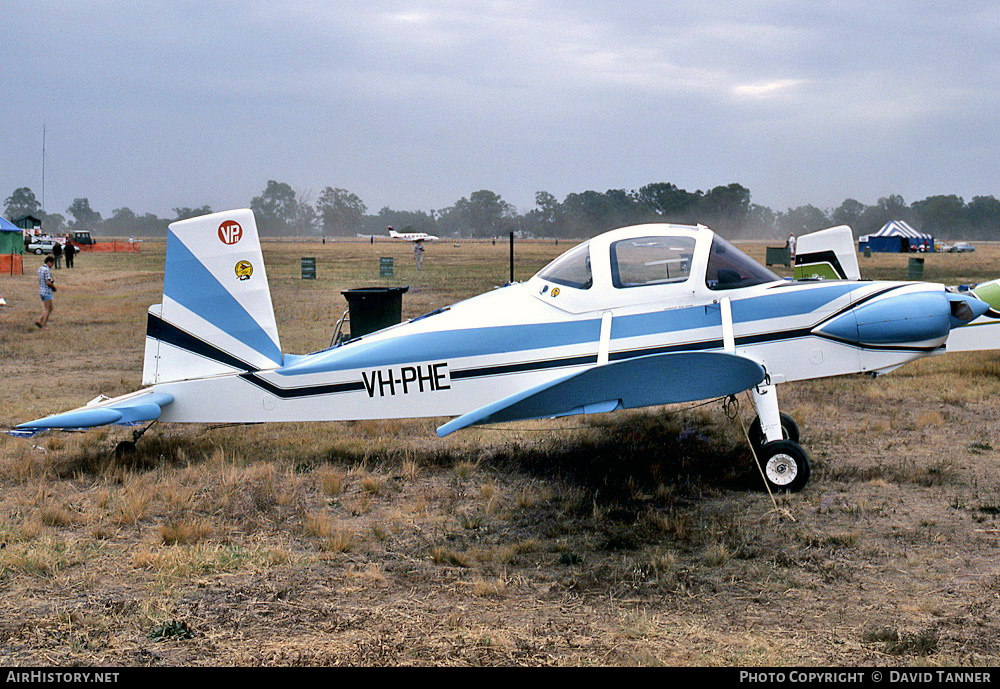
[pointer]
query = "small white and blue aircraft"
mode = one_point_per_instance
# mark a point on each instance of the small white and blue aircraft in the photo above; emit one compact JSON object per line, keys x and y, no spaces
{"x":412,"y":236}
{"x":639,"y":316}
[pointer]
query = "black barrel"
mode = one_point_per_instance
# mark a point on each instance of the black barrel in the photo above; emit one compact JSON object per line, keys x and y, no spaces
{"x":374,"y":308}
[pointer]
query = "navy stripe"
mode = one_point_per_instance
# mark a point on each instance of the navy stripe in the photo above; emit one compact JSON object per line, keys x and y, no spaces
{"x":306,"y":391}
{"x":522,"y":367}
{"x":159,"y":329}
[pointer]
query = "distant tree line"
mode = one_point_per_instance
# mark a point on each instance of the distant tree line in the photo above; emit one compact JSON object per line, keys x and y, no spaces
{"x":282,"y":212}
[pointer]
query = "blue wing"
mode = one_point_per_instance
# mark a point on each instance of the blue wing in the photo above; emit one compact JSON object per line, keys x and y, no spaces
{"x":640,"y":382}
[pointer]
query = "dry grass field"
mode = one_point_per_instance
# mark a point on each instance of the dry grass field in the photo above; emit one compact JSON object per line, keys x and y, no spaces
{"x":628,"y":539}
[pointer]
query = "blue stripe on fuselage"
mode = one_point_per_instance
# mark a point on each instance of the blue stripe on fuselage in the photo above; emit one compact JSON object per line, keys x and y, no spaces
{"x":450,"y":344}
{"x":777,"y":305}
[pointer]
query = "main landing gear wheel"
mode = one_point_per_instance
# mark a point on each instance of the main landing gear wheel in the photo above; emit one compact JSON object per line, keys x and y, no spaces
{"x":785,"y":465}
{"x":789,"y":431}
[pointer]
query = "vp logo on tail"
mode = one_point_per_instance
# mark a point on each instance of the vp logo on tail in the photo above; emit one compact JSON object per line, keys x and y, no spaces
{"x":230,"y":232}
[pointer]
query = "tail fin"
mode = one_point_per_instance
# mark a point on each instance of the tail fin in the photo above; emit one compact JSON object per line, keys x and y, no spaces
{"x":216,"y":316}
{"x":827,"y":255}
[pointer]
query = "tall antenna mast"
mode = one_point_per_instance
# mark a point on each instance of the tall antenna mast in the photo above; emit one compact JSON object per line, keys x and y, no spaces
{"x":43,"y":167}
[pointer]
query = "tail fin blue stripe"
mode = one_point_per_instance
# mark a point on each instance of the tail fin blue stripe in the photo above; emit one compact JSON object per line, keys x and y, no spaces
{"x":188,"y":282}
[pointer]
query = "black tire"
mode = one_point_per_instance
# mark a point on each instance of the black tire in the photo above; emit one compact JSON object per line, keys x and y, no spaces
{"x":125,"y":448}
{"x":789,"y":431}
{"x":38,"y":252}
{"x":785,"y":465}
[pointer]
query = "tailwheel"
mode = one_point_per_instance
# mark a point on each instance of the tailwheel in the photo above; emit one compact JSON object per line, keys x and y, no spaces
{"x":124,"y":449}
{"x":789,"y":431}
{"x":785,"y":465}
{"x":127,"y":449}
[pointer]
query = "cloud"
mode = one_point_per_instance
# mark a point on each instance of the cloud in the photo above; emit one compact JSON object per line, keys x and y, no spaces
{"x":767,"y":89}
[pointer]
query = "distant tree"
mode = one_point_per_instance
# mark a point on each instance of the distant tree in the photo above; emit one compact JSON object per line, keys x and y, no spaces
{"x":121,"y":222}
{"x":802,"y":219}
{"x":541,"y":220}
{"x":547,"y":204}
{"x":887,"y":208}
{"x":586,"y":214}
{"x":761,"y":221}
{"x":186,"y":213}
{"x":20,"y":203}
{"x":725,"y":208}
{"x":669,"y":201}
{"x":848,"y":213}
{"x":306,"y":221}
{"x":941,"y":215}
{"x":625,"y":208}
{"x":983,"y":216}
{"x":54,"y":223}
{"x":483,"y":214}
{"x":402,"y":221}
{"x":340,"y":212}
{"x":275,"y":209}
{"x":894,"y":207}
{"x":83,"y":215}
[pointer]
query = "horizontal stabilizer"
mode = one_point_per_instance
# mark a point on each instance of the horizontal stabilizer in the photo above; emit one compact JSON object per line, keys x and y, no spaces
{"x":133,"y":409}
{"x":640,"y":382}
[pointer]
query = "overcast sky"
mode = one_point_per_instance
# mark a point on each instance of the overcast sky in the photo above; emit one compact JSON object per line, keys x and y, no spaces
{"x":412,"y":105}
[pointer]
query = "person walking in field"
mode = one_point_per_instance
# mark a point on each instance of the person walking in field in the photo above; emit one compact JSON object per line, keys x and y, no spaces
{"x":418,"y":253}
{"x":70,"y":252}
{"x":57,"y":252}
{"x":46,"y":287}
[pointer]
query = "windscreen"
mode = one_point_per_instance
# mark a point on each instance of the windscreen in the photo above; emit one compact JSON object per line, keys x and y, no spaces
{"x":730,"y":268}
{"x":572,"y":269}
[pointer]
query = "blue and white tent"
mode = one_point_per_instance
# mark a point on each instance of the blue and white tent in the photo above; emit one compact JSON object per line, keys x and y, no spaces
{"x":896,"y":236}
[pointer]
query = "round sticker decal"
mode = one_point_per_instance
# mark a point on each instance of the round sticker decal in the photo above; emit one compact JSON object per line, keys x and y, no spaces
{"x":230,"y":232}
{"x":244,"y":270}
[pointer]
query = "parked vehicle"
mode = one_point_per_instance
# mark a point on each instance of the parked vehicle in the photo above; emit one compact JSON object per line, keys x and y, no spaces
{"x":961,"y":247}
{"x":83,"y":237}
{"x":41,"y":246}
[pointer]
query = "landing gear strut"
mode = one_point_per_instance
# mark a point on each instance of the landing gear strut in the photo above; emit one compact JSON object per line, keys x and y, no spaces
{"x":789,"y":431}
{"x":774,"y":437}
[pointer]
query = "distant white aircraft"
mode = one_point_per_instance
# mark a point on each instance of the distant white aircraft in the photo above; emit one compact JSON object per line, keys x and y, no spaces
{"x":412,"y":236}
{"x":638,"y":316}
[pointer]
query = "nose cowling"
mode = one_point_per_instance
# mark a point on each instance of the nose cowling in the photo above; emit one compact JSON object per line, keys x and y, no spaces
{"x":921,"y":318}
